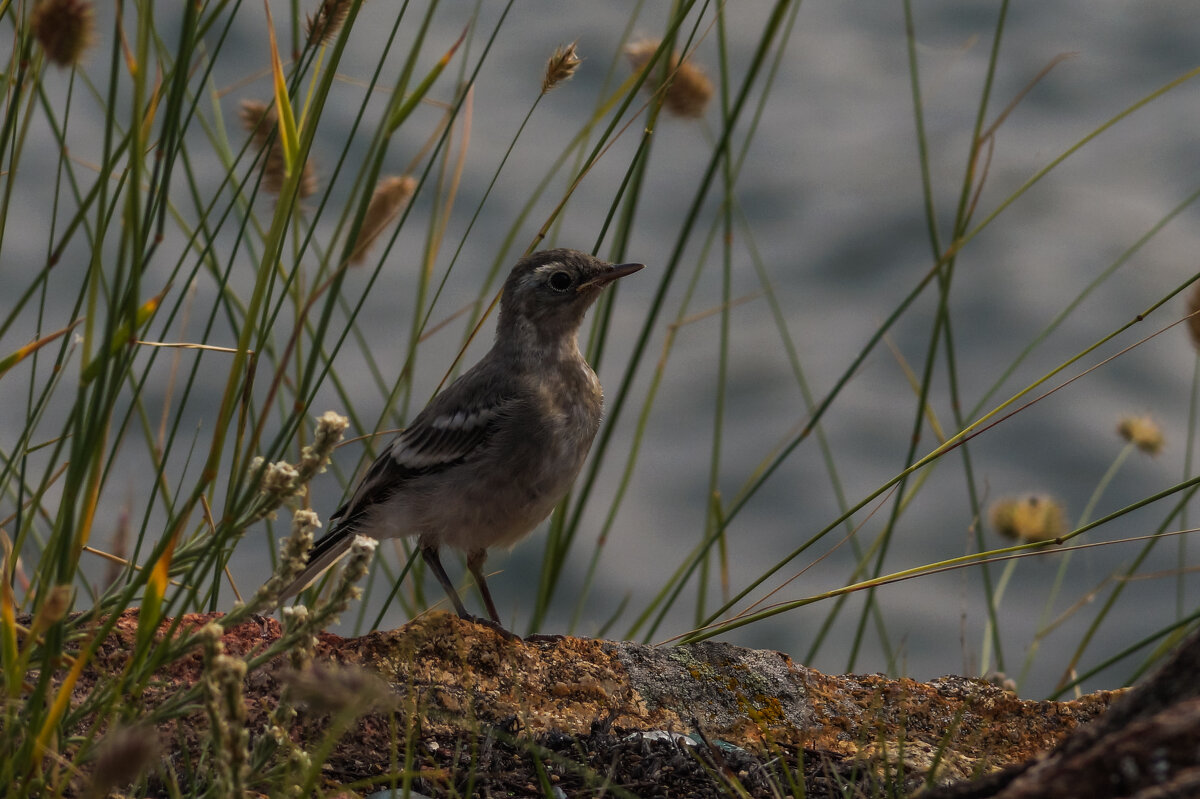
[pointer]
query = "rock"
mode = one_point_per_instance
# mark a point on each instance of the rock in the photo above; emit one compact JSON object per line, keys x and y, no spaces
{"x":464,"y":698}
{"x":1146,"y":746}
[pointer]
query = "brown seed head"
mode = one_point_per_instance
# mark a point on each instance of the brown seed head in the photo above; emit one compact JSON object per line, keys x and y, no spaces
{"x":258,"y":118}
{"x":689,"y":89}
{"x":334,"y":688}
{"x":121,"y":757}
{"x":1194,"y":319}
{"x":561,"y":66}
{"x":323,"y":27}
{"x":1143,"y":432}
{"x":640,"y":52}
{"x":1036,"y":517}
{"x":390,"y":197}
{"x":64,"y":28}
{"x":261,"y":120}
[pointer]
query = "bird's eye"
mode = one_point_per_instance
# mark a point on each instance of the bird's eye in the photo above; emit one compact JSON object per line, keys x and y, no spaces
{"x":560,"y":281}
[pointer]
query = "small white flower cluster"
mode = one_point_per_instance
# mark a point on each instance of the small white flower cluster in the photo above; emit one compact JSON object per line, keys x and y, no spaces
{"x":293,"y":556}
{"x":281,"y":480}
{"x":346,"y":589}
{"x":315,"y":457}
{"x":226,"y":705}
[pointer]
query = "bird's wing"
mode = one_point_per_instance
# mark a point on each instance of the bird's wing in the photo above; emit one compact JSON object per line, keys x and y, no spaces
{"x":446,"y":433}
{"x":454,"y":426}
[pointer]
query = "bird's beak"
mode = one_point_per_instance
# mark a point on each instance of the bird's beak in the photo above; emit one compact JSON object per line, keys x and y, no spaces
{"x":614,"y":272}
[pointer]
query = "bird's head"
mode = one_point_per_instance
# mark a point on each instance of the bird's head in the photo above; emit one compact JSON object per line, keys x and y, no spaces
{"x":548,"y":292}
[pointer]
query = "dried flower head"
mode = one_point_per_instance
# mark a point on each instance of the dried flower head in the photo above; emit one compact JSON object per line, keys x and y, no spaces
{"x":345,"y":590}
{"x":259,"y":118}
{"x":313,"y":458}
{"x":1143,"y":432}
{"x":64,"y":28}
{"x":390,"y":196}
{"x":1036,"y":517}
{"x":323,"y":27}
{"x":293,"y":557}
{"x":362,"y":549}
{"x":294,"y":550}
{"x":335,"y":688}
{"x":688,"y":87}
{"x":561,"y":66}
{"x":296,"y":619}
{"x":294,"y":616}
{"x":262,"y":120}
{"x":211,"y":635}
{"x":226,"y":705}
{"x":121,"y":757}
{"x":280,"y":480}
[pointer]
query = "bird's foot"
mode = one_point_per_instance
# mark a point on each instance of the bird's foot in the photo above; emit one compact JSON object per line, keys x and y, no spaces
{"x":493,"y":624}
{"x":544,"y":638}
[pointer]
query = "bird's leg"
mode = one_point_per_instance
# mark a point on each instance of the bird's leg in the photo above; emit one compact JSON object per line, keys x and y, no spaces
{"x":475,"y":561}
{"x":430,"y":554}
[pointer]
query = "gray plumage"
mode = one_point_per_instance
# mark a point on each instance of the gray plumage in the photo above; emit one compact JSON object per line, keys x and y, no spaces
{"x":492,"y":454}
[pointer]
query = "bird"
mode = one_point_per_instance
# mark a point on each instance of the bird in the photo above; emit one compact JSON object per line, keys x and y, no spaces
{"x":489,"y":457}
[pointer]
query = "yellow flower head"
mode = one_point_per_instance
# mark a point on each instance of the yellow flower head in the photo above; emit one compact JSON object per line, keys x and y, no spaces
{"x":1143,"y":432}
{"x":1036,"y":517}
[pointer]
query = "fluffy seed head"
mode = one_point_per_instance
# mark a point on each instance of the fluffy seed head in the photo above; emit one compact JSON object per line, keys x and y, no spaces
{"x":261,"y":120}
{"x":345,"y":590}
{"x":390,"y":197}
{"x":64,"y":28}
{"x":293,"y":556}
{"x":561,"y":66}
{"x":1036,"y":517}
{"x":689,"y":88}
{"x":1143,"y":432}
{"x":280,"y":480}
{"x":314,"y":457}
{"x":323,"y":27}
{"x":336,"y":688}
{"x":122,"y":756}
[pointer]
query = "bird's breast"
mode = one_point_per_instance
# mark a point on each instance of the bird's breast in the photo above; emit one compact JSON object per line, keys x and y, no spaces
{"x":577,"y":404}
{"x":498,"y":496}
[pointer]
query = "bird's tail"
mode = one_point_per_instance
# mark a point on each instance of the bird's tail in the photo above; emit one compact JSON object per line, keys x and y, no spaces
{"x":323,"y":554}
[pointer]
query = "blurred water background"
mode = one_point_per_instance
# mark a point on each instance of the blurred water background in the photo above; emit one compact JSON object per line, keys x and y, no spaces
{"x":831,"y":194}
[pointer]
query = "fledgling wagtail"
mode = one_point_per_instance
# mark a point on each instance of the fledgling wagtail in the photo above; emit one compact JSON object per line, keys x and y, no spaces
{"x":490,"y":457}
